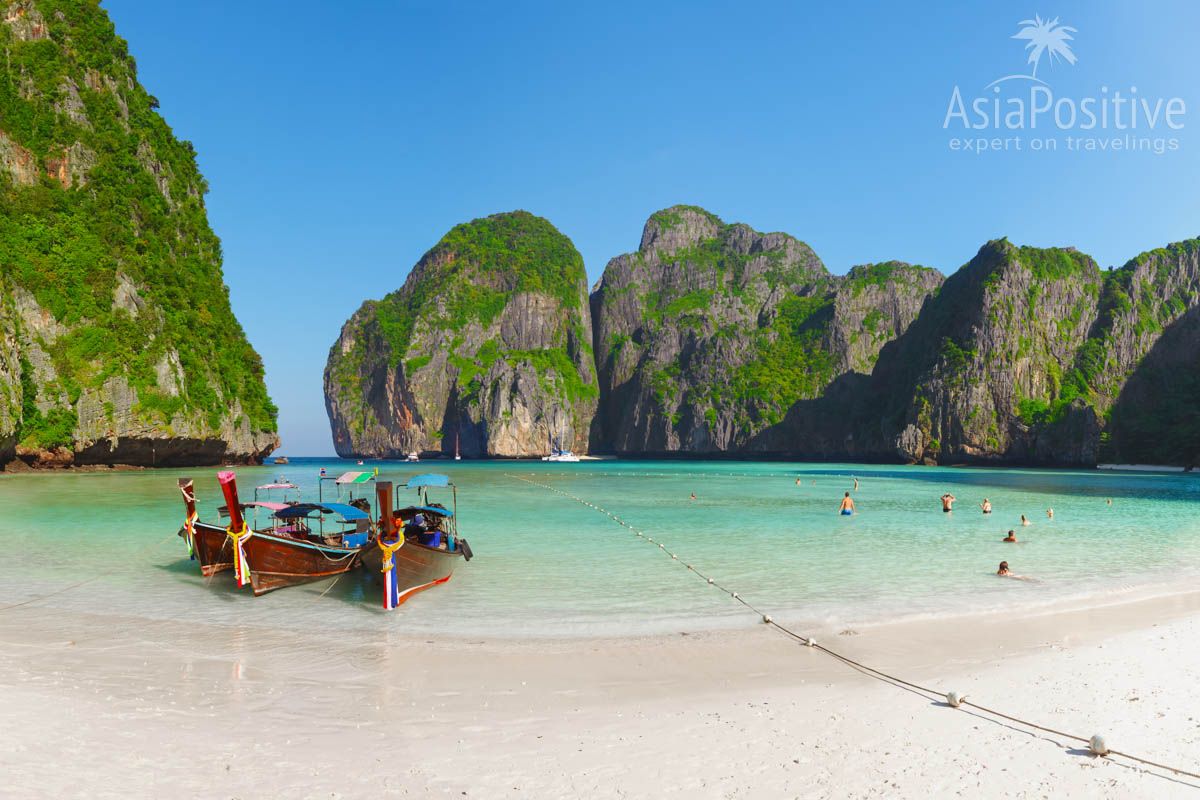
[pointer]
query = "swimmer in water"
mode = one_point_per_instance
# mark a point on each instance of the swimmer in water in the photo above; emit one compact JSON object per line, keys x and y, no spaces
{"x":986,"y":505}
{"x":1004,"y":572}
{"x":847,"y":505}
{"x":856,"y":484}
{"x":1012,"y":537}
{"x":1025,"y":521}
{"x":797,"y":481}
{"x":948,"y":502}
{"x":1049,"y":513}
{"x":693,"y":495}
{"x":1109,"y":501}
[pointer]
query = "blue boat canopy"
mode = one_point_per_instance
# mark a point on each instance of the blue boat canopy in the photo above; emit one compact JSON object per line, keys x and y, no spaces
{"x":346,"y":512}
{"x":430,"y":479}
{"x":412,"y":511}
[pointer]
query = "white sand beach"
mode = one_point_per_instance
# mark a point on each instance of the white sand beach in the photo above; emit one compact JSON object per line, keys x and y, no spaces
{"x":112,"y":707}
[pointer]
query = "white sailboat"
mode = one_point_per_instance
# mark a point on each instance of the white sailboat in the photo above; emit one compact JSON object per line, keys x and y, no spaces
{"x":559,"y":454}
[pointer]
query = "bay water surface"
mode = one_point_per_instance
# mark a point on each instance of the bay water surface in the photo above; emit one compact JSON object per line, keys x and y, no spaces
{"x":547,"y":566}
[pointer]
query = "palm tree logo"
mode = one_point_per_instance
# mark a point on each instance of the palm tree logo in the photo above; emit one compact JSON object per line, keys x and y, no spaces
{"x":1044,"y":37}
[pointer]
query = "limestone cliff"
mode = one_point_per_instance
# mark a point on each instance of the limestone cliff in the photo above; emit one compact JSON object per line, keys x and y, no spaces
{"x":1029,"y":355}
{"x":487,"y":345}
{"x":117,"y":341}
{"x":995,"y":341}
{"x":1146,"y":308}
{"x":709,"y":333}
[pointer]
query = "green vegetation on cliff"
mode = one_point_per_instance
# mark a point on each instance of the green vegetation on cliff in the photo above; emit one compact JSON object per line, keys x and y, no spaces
{"x":475,"y":268}
{"x":793,"y":362}
{"x":100,"y":198}
{"x":489,"y":337}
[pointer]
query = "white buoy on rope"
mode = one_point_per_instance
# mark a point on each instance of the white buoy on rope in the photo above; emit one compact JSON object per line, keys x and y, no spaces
{"x":1098,"y":746}
{"x":954,"y":699}
{"x":767,"y":619}
{"x":810,"y":642}
{"x":710,"y":580}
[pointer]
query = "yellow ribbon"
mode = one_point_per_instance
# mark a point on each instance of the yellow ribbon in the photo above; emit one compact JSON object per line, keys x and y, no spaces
{"x":388,"y":551}
{"x":240,"y":569}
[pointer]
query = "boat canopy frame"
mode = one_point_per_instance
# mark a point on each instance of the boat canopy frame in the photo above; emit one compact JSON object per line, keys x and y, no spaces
{"x":432,"y":480}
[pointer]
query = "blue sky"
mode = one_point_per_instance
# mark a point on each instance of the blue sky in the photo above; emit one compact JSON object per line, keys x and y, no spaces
{"x":341,"y":141}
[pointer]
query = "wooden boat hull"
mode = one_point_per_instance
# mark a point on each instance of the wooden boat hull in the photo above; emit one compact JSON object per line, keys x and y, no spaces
{"x":279,"y":561}
{"x":212,"y":547}
{"x":417,"y":567}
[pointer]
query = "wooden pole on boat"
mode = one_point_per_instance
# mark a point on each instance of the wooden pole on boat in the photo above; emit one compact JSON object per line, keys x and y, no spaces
{"x":188,"y":490}
{"x":228,"y":483}
{"x":383,"y":499}
{"x":238,"y":531}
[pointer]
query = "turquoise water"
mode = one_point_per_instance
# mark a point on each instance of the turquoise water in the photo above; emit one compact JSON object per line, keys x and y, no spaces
{"x":547,"y":566}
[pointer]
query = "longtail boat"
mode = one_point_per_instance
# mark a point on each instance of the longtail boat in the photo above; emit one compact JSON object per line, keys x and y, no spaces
{"x":207,"y":544}
{"x":421,"y":551}
{"x":292,"y":551}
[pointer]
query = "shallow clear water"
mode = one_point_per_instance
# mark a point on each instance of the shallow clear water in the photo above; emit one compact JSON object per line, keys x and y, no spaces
{"x":548,"y":566}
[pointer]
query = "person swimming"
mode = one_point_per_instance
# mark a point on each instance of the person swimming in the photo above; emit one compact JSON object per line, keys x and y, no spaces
{"x":847,"y":505}
{"x":1012,"y":537}
{"x":1004,"y":572}
{"x":693,"y":495}
{"x":856,"y":484}
{"x":986,"y":505}
{"x":1025,"y":521}
{"x":948,"y":502}
{"x":1049,"y":513}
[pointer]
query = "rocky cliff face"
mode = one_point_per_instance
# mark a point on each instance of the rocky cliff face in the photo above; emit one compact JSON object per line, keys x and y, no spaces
{"x":487,"y":343}
{"x":117,"y":342}
{"x":992,"y":345}
{"x":1023,"y":356}
{"x":1141,"y":311}
{"x":709,"y":333}
{"x":1156,"y":417}
{"x":716,"y":339}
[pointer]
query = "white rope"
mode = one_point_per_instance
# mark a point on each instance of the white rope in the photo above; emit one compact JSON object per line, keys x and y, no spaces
{"x":767,"y":619}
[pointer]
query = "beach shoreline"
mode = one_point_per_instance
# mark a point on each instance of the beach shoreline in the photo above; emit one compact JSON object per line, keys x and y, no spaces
{"x":701,"y":714}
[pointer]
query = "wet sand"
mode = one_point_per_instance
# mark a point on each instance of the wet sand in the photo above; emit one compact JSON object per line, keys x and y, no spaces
{"x":102,"y":706}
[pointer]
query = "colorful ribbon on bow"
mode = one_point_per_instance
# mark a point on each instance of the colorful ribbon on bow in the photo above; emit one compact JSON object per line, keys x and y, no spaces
{"x":241,"y":567}
{"x":189,"y":525}
{"x":391,"y":589}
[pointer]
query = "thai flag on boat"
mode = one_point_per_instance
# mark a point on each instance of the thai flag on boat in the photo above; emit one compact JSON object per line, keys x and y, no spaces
{"x":391,"y":590}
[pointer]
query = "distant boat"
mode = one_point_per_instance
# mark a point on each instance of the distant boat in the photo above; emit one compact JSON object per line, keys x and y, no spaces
{"x":281,"y":460}
{"x":560,"y":454}
{"x":410,"y":457}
